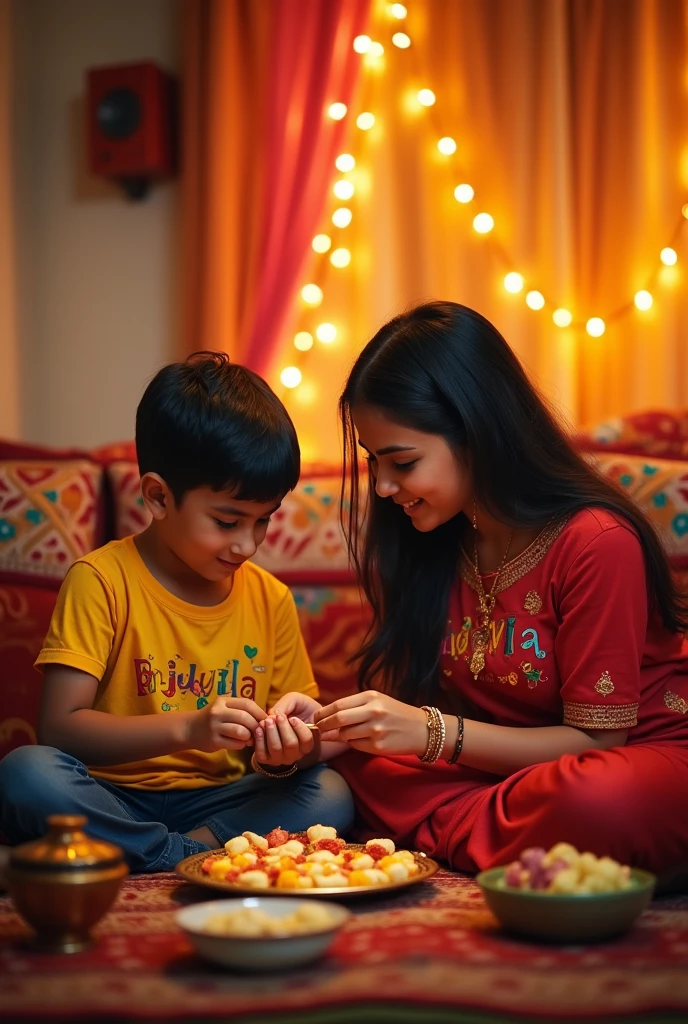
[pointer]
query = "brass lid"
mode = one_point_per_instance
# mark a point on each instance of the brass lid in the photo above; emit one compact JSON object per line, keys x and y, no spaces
{"x":66,"y":847}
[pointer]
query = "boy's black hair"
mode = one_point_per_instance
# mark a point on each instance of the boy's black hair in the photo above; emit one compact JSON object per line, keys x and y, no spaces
{"x":208,"y":422}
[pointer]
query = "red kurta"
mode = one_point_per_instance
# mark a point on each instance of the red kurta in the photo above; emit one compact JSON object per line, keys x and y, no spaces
{"x":571,"y":642}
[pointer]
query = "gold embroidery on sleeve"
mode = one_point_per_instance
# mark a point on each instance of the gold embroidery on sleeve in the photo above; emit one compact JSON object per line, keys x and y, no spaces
{"x":533,"y":602}
{"x":604,"y":684}
{"x":675,"y":703}
{"x":599,"y":716}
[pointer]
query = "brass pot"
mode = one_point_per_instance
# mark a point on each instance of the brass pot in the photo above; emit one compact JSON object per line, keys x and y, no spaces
{"x":64,"y":883}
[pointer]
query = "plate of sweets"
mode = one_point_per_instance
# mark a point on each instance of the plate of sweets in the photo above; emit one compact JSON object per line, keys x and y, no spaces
{"x":314,"y":863}
{"x":564,"y":895}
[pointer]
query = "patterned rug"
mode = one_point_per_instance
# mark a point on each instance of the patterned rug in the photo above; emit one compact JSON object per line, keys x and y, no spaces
{"x":428,"y":955}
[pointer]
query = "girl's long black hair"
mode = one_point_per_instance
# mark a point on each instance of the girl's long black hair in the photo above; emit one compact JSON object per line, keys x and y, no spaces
{"x":443,"y":369}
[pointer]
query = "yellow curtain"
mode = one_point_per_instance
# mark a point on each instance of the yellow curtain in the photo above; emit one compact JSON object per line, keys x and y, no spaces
{"x":9,"y":353}
{"x":569,"y":118}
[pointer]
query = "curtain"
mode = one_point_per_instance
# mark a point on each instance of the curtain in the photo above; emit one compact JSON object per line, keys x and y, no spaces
{"x":258,"y":159}
{"x":9,"y":358}
{"x":570,"y":122}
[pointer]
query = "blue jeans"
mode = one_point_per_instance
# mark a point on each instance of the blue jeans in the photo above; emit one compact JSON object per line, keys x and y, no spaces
{"x":36,"y":781}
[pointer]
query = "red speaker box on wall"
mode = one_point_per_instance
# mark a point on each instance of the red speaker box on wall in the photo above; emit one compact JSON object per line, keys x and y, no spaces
{"x":131,"y":125}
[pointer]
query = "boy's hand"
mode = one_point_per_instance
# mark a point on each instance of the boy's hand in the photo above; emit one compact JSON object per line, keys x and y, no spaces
{"x":297,"y":705}
{"x":279,"y":740}
{"x":229,"y":723}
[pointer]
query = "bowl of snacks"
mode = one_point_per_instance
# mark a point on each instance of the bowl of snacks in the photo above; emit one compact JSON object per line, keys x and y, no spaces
{"x":258,"y":934}
{"x":566,"y":896}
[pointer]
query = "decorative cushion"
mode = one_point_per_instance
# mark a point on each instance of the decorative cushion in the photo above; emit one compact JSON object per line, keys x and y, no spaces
{"x":130,"y":513}
{"x":49,"y":515}
{"x":660,"y":434}
{"x":660,"y":487}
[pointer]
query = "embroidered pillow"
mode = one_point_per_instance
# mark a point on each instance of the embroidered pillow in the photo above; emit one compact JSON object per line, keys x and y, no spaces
{"x":49,"y":515}
{"x":659,"y":434}
{"x":131,"y":515}
{"x":660,"y":486}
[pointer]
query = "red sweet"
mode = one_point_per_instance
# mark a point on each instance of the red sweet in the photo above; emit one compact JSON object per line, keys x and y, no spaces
{"x":205,"y":866}
{"x":278,"y":837}
{"x":300,"y":859}
{"x":335,"y":846}
{"x":376,"y":851}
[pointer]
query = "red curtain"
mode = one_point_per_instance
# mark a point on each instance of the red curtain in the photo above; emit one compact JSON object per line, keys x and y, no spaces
{"x":258,"y":155}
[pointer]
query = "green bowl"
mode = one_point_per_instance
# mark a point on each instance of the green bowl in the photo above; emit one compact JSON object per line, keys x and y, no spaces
{"x":583,"y":917}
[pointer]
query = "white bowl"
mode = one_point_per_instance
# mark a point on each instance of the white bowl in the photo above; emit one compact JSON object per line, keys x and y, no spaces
{"x":256,"y":953}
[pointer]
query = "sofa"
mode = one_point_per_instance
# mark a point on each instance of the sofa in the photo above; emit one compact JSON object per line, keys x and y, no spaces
{"x":56,"y":504}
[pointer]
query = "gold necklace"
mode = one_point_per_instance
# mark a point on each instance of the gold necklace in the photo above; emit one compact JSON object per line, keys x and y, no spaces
{"x":486,"y":603}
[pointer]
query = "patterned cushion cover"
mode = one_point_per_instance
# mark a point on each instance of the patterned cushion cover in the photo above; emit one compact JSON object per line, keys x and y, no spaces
{"x":49,"y":515}
{"x":130,"y":513}
{"x":660,"y":486}
{"x":661,"y":434}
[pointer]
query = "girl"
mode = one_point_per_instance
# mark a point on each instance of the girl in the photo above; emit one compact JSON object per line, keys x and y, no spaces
{"x":525,"y":680}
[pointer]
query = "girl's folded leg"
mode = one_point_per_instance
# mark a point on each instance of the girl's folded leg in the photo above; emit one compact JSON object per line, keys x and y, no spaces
{"x":37,"y":781}
{"x":316,"y":796}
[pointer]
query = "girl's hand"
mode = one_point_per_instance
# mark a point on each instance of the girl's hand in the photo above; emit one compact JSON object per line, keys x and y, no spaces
{"x":297,"y":705}
{"x":375,"y":723}
{"x":279,"y":740}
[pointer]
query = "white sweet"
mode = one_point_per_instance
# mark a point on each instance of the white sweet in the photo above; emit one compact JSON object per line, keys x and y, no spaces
{"x":239,"y":844}
{"x":330,"y":881}
{"x":259,"y":842}
{"x":363,"y":861}
{"x":292,"y":848}
{"x":386,"y":844}
{"x":254,"y":879}
{"x":397,"y":872}
{"x":316,"y":832}
{"x":320,"y":856}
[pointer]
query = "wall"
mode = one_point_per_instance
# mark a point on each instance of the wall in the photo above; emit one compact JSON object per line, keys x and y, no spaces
{"x":96,"y":308}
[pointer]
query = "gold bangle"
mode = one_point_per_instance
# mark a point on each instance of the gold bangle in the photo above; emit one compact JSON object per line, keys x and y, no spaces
{"x":437,"y":733}
{"x":272,"y":775}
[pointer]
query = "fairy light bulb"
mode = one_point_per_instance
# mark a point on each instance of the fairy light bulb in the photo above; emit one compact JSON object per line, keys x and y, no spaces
{"x":321,"y":243}
{"x":345,"y":162}
{"x":668,"y":256}
{"x":303,"y":341}
{"x":340,"y":258}
{"x":513,"y":282}
{"x":291,"y":376}
{"x":483,"y":223}
{"x":643,"y":300}
{"x":341,"y":218}
{"x":535,"y":300}
{"x":596,"y":327}
{"x":397,"y":11}
{"x":311,"y":294}
{"x":326,"y":333}
{"x":376,"y":49}
{"x":365,"y":121}
{"x":426,"y":97}
{"x":562,"y":317}
{"x":401,"y":40}
{"x":362,"y":44}
{"x":464,"y":193}
{"x":343,"y":189}
{"x":447,"y":146}
{"x":684,"y":210}
{"x":337,"y":111}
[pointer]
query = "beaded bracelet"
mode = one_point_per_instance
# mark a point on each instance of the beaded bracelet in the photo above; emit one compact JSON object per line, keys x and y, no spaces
{"x":437,"y":733}
{"x":272,"y":775}
{"x":458,"y":746}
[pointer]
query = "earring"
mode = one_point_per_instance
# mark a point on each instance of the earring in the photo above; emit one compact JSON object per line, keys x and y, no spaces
{"x":475,"y":520}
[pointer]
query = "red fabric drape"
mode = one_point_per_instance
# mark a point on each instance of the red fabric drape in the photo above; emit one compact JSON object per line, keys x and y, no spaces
{"x":259,"y":155}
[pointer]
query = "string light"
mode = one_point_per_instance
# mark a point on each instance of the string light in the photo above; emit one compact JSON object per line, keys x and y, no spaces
{"x":291,"y":376}
{"x":447,"y":146}
{"x":513,"y":283}
{"x":321,"y":243}
{"x":303,"y":341}
{"x":376,"y":49}
{"x":535,"y":300}
{"x":365,"y":121}
{"x":463,"y":193}
{"x":362,"y":44}
{"x":397,"y":11}
{"x":341,"y":218}
{"x":401,"y":40}
{"x":668,"y":256}
{"x":684,"y":210}
{"x":345,"y":162}
{"x":643,"y":300}
{"x":483,"y":223}
{"x":343,"y":189}
{"x":340,"y":258}
{"x":426,"y":97}
{"x":311,"y":294}
{"x":327,"y":333}
{"x":562,"y":317}
{"x":337,"y":111}
{"x":596,"y":327}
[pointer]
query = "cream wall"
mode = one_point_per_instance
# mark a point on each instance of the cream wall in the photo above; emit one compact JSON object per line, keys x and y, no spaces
{"x":96,"y":306}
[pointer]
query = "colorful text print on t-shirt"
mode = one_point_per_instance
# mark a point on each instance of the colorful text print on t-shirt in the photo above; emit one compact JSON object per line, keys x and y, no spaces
{"x":502,"y":633}
{"x":218,"y":681}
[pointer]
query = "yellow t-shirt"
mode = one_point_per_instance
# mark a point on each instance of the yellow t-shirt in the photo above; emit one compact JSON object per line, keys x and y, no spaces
{"x":154,"y":653}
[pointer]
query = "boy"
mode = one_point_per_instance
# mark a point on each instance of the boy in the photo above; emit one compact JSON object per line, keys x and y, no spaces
{"x":166,"y":649}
